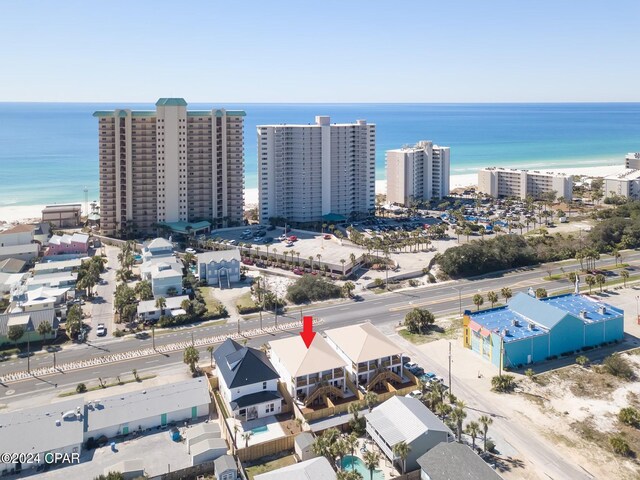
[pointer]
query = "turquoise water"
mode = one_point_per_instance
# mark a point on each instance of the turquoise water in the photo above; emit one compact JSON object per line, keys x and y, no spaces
{"x":259,"y":430}
{"x":49,"y":152}
{"x":350,"y":461}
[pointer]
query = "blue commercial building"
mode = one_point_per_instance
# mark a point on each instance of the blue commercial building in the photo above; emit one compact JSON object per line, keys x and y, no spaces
{"x":530,"y":330}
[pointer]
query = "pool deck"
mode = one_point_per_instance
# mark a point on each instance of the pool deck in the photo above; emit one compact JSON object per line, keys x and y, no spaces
{"x":274,"y":430}
{"x":384,"y":465}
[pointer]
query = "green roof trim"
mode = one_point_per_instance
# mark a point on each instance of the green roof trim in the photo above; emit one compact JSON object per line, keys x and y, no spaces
{"x":181,"y":227}
{"x":143,"y":113}
{"x":334,"y":217}
{"x":171,"y":102}
{"x":102,"y":113}
{"x":199,"y":113}
{"x":231,"y":113}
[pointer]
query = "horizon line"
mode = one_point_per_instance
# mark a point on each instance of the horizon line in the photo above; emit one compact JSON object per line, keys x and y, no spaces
{"x":570,"y":102}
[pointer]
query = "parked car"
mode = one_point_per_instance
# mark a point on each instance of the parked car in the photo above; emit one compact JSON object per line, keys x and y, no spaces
{"x":101,"y":331}
{"x":293,"y":238}
{"x":247,"y":261}
{"x":233,"y":242}
{"x":289,"y":244}
{"x":414,"y":394}
{"x":271,"y":228}
{"x":328,"y":236}
{"x":282,"y":237}
{"x":190,"y":250}
{"x":297,"y":271}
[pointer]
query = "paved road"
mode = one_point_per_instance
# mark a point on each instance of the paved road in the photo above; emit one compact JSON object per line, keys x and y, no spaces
{"x":383,"y":308}
{"x":102,"y":305}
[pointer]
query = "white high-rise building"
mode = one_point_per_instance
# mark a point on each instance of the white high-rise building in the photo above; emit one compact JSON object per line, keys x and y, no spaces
{"x":169,"y":165}
{"x":307,"y":172}
{"x":632,"y":160}
{"x":501,"y":182}
{"x":417,"y":173}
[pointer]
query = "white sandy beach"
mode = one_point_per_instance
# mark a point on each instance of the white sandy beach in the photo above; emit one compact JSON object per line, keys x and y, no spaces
{"x":23,"y":213}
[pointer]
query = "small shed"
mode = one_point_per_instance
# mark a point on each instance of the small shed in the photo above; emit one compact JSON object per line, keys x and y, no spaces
{"x":303,"y":444}
{"x":200,"y":432}
{"x":225,"y":468}
{"x":207,"y":450}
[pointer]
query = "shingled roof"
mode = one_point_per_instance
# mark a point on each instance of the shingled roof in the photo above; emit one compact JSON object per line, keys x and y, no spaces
{"x":241,"y":366}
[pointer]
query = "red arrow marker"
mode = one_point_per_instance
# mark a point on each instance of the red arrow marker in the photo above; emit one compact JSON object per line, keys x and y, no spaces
{"x":307,"y":332}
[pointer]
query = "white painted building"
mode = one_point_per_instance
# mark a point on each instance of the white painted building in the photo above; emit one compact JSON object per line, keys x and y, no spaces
{"x":314,"y":469}
{"x":632,"y":160}
{"x":308,"y":171}
{"x":220,"y":267}
{"x":499,"y":182}
{"x":52,"y":428}
{"x":304,"y":370}
{"x":161,"y":267}
{"x":417,"y":173}
{"x":147,"y":309}
{"x":247,"y":381}
{"x":18,"y":242}
{"x":624,"y":184}
{"x":368,"y":353}
{"x":149,"y":408}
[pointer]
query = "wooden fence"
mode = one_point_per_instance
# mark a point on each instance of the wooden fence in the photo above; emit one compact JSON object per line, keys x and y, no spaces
{"x":270,"y":447}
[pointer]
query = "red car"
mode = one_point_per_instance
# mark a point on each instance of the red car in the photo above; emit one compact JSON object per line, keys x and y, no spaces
{"x":297,"y":271}
{"x":293,"y":238}
{"x":327,"y":236}
{"x":247,"y":261}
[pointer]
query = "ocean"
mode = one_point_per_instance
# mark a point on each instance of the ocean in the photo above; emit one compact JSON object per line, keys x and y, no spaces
{"x":49,"y":152}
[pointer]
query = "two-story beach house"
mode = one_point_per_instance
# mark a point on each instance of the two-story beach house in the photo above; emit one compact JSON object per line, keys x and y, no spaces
{"x":309,"y":374}
{"x":370,"y":356}
{"x":219,"y":268}
{"x":161,"y":268}
{"x":247,"y":381}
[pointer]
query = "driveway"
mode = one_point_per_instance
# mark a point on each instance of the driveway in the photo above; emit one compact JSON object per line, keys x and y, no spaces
{"x":102,"y":302}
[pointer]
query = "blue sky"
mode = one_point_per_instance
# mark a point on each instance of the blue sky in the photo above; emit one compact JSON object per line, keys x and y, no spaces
{"x":323,"y":51}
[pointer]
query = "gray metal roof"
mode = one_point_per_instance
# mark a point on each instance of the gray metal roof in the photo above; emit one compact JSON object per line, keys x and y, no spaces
{"x":304,"y":439}
{"x":130,"y":407}
{"x":314,"y":469}
{"x":218,"y":256}
{"x":33,"y":320}
{"x":254,"y":399}
{"x":403,"y":419}
{"x":224,"y":463}
{"x":240,"y":366}
{"x":211,"y":443}
{"x":447,"y":461}
{"x":34,"y":430}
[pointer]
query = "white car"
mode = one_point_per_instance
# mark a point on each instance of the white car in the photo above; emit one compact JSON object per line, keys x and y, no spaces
{"x":414,"y":394}
{"x":101,"y":331}
{"x":190,"y":250}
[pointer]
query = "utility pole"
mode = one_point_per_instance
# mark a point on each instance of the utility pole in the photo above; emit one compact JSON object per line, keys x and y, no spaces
{"x":500,"y":366}
{"x":54,"y":359}
{"x":192,"y":342}
{"x":153,"y":337}
{"x":28,"y":355}
{"x":275,"y":308}
{"x":450,"y":386}
{"x":459,"y":290}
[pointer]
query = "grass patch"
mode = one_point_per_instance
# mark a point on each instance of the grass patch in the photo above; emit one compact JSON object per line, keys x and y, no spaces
{"x":270,"y":466}
{"x":108,"y":385}
{"x":415,"y":338}
{"x":446,"y":330}
{"x":537,"y":399}
{"x":213,"y":305}
{"x":582,"y":382}
{"x":246,"y":304}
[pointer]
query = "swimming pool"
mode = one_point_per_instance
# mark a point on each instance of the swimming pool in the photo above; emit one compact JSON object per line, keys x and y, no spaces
{"x":350,"y":462}
{"x":258,"y":430}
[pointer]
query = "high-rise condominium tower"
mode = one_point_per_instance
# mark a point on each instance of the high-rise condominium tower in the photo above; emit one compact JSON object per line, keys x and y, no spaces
{"x":417,"y":173}
{"x":169,"y":165}
{"x":307,"y":172}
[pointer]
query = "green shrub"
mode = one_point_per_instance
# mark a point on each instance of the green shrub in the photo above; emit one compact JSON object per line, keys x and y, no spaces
{"x":309,"y":288}
{"x":629,"y":416}
{"x":81,"y":388}
{"x":620,"y":446}
{"x":118,"y":333}
{"x":582,"y":360}
{"x":503,"y":383}
{"x":618,"y":366}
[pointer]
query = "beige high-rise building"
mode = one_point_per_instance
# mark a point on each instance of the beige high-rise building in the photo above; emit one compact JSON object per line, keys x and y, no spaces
{"x":169,"y":165}
{"x":417,"y":173}
{"x":498,"y":182}
{"x":315,"y":171}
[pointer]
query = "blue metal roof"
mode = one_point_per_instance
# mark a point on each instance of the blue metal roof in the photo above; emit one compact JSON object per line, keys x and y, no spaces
{"x":526,"y":317}
{"x":574,"y":304}
{"x":500,"y":318}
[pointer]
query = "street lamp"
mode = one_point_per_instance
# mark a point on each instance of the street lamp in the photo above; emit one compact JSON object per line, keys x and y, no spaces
{"x":459,"y":290}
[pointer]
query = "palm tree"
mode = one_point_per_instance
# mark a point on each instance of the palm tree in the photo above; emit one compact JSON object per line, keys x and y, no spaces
{"x":44,"y":329}
{"x":492,"y":297}
{"x":370,"y":399}
{"x":478,"y":300}
{"x":161,"y":303}
{"x":485,"y":421}
{"x":318,"y":256}
{"x":473,"y":430}
{"x":348,"y":475}
{"x":343,"y":261}
{"x":210,"y":350}
{"x":311,"y":262}
{"x":600,"y":280}
{"x":352,"y":257}
{"x":591,"y":281}
{"x":15,"y":333}
{"x":246,"y":436}
{"x":371,"y":461}
{"x":401,"y":450}
{"x":191,"y":357}
{"x":350,"y":443}
{"x":625,"y":275}
{"x":506,"y":293}
{"x":442,"y":410}
{"x":458,"y":415}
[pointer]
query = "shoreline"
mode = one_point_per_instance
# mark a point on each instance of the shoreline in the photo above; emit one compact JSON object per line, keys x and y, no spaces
{"x":28,"y":213}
